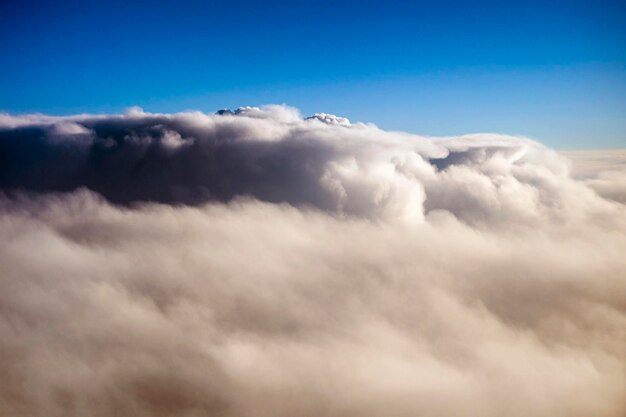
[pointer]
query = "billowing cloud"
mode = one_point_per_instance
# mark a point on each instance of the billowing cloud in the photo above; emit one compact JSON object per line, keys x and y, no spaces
{"x":257,"y":263}
{"x":275,"y":155}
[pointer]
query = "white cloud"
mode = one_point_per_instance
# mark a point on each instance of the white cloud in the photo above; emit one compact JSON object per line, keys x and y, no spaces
{"x":322,"y":269}
{"x":330,"y":119}
{"x":275,"y":155}
{"x":603,"y":171}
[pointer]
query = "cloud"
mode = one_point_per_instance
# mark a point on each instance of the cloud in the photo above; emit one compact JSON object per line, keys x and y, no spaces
{"x":318,"y":269}
{"x":330,"y":119}
{"x":603,"y":171}
{"x":275,"y":155}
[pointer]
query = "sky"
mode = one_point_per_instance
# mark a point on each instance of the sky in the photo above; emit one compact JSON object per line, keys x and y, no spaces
{"x":553,"y":71}
{"x":159,"y":262}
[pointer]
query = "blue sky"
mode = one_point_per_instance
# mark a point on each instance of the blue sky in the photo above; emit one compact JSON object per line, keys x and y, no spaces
{"x":555,"y":71}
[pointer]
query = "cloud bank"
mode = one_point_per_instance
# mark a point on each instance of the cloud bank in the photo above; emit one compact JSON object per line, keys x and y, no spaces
{"x":274,"y":155}
{"x":603,"y":171}
{"x":258,"y":263}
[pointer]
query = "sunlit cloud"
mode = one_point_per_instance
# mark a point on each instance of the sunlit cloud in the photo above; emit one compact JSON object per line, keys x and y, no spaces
{"x":261,"y":263}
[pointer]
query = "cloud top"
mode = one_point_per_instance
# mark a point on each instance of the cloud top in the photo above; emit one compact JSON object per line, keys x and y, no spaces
{"x":258,"y":263}
{"x":275,"y":155}
{"x":250,"y":308}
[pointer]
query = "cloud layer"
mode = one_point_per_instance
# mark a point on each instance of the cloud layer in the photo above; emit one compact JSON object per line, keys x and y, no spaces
{"x":603,"y":171}
{"x":319,"y":267}
{"x":274,"y":155}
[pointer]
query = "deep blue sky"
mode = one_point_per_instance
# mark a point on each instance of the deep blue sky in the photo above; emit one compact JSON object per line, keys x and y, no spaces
{"x":555,"y":71}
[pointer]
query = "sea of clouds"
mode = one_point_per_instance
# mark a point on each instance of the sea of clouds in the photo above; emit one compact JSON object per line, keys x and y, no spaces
{"x":258,"y":263}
